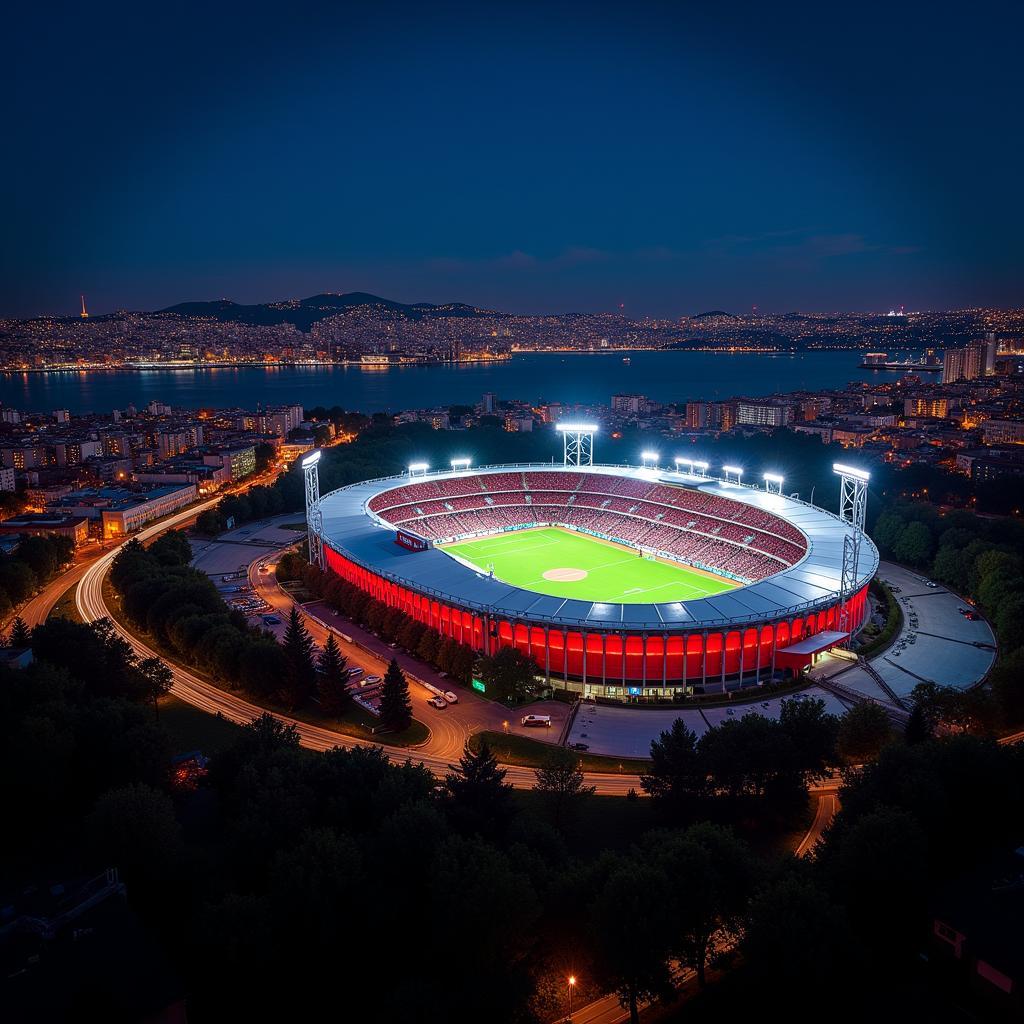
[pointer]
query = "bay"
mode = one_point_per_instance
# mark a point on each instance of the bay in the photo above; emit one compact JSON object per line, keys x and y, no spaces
{"x":570,"y":378}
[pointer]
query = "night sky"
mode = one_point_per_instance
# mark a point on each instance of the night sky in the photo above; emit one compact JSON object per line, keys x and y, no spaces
{"x":670,"y":157}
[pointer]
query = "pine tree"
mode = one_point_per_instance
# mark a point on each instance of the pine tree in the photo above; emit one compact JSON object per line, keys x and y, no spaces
{"x":479,"y":798}
{"x":300,"y":669}
{"x":332,"y":679}
{"x":562,"y":785}
{"x":21,"y":635}
{"x":395,"y":705}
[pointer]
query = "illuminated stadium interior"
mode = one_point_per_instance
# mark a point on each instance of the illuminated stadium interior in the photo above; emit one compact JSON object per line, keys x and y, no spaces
{"x":614,"y":580}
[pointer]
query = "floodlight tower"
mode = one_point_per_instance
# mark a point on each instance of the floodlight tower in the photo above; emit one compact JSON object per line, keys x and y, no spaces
{"x":314,"y":517}
{"x":773,"y":483}
{"x":577,"y":443}
{"x":853,"y":507}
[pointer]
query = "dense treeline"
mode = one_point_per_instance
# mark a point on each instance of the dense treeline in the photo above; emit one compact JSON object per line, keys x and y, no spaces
{"x":35,"y":562}
{"x":181,"y":608}
{"x":74,"y":723}
{"x":464,"y":901}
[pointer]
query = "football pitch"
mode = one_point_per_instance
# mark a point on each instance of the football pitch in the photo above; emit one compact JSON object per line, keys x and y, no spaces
{"x":563,"y":563}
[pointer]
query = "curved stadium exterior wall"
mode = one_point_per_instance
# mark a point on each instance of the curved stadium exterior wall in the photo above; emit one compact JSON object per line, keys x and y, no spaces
{"x":787,"y":609}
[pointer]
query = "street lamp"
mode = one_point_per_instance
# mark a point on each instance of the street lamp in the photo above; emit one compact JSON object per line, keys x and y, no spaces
{"x":571,"y":986}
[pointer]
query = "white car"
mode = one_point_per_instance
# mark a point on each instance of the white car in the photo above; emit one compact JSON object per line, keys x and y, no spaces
{"x":438,"y":702}
{"x":451,"y":696}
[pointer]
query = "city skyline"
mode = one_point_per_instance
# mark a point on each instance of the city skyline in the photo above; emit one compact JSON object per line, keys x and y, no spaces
{"x":665,"y":162}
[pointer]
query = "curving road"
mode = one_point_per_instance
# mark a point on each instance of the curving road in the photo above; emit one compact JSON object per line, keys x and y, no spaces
{"x":91,"y":605}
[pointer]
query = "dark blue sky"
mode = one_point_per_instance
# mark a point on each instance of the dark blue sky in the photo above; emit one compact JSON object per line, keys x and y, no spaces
{"x":544,"y":157}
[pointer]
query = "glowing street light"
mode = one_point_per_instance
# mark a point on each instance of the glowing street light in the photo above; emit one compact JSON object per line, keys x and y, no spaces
{"x":571,"y":986}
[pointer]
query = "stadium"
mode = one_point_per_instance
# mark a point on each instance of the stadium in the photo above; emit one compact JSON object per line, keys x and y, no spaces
{"x":636,"y":583}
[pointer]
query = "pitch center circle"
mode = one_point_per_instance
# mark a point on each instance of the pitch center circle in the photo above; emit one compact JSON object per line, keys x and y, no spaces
{"x":565,"y":575}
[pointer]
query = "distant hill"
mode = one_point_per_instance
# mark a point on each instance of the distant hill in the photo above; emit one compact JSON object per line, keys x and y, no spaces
{"x":303,"y":313}
{"x":713,"y":312}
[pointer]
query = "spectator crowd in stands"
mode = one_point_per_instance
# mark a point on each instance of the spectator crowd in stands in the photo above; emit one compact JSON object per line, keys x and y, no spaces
{"x":693,"y":526}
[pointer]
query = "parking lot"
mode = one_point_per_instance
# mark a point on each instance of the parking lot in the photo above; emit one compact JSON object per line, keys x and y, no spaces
{"x":938,"y":642}
{"x":628,"y":731}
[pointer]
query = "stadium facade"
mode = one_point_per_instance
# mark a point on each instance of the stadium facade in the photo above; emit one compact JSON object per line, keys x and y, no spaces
{"x":791,"y":598}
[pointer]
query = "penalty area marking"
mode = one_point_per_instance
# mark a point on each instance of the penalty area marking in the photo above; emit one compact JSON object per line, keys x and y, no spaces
{"x":565,"y":575}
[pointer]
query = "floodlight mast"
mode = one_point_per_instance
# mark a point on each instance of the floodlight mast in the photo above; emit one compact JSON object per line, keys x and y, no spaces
{"x":314,"y":517}
{"x":853,"y":507}
{"x":773,"y":483}
{"x":736,"y":471}
{"x":462,"y":463}
{"x":418,"y":468}
{"x":577,"y":443}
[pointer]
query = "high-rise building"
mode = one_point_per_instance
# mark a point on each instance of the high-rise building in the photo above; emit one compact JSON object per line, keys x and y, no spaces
{"x":962,"y":364}
{"x":764,"y":414}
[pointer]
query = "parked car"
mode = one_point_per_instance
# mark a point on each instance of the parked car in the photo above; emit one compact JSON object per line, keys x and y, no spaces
{"x":541,"y":721}
{"x":451,"y":696}
{"x":371,"y":681}
{"x":355,"y":672}
{"x":438,"y":702}
{"x":271,"y":620}
{"x":580,"y":746}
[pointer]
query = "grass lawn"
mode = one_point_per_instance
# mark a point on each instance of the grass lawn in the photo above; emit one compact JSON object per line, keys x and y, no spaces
{"x":65,"y":607}
{"x":192,"y":729}
{"x":563,"y":563}
{"x":529,"y":753}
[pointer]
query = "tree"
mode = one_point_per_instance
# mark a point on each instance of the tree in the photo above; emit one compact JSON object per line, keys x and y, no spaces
{"x":795,"y":936}
{"x":477,"y":796}
{"x":157,"y":679}
{"x":677,"y":780}
{"x":135,"y":828}
{"x":710,"y":875}
{"x":21,"y":635}
{"x":562,"y":785}
{"x":300,"y":669}
{"x":332,"y":679}
{"x":395,"y":705}
{"x":913,"y":545}
{"x":812,"y":731}
{"x":863,"y":731}
{"x":508,"y":675}
{"x":630,"y":931}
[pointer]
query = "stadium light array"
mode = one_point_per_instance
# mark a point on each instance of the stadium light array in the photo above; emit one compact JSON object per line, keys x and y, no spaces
{"x":311,"y":459}
{"x":462,"y":463}
{"x":774,"y":478}
{"x":733,"y":469}
{"x":649,"y":456}
{"x":418,"y":467}
{"x":578,"y":428}
{"x":843,"y":470}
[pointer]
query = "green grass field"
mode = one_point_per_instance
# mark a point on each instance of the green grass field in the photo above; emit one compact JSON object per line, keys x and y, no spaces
{"x":568,"y":564}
